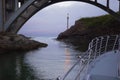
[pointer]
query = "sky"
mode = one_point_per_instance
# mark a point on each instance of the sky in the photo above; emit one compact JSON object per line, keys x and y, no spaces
{"x":52,"y":20}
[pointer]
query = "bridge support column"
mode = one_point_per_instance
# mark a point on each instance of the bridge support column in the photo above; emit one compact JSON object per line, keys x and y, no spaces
{"x":2,"y":15}
{"x":11,"y":7}
{"x":16,"y":5}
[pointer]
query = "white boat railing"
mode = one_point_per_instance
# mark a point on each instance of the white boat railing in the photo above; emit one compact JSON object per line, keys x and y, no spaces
{"x":97,"y":46}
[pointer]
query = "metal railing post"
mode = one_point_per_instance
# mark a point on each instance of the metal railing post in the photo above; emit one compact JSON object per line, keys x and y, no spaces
{"x":96,"y":46}
{"x":119,"y":43}
{"x":119,"y":56}
{"x":106,"y":44}
{"x":115,"y":42}
{"x":100,"y":45}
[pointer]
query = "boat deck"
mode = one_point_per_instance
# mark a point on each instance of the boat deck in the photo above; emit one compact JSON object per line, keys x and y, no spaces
{"x":105,"y":67}
{"x":100,"y":62}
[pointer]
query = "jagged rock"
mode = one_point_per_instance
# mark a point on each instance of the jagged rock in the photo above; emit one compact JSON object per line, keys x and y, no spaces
{"x":14,"y":42}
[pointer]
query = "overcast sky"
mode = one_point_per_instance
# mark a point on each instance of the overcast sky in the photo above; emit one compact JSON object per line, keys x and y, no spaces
{"x":51,"y":20}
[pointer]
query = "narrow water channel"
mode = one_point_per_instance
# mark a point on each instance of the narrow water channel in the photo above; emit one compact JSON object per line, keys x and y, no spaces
{"x":42,"y":64}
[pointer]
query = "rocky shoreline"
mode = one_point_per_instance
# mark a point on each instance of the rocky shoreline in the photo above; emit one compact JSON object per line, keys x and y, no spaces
{"x":85,"y":29}
{"x":17,"y":42}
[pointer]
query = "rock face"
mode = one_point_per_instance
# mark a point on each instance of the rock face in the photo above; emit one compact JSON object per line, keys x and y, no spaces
{"x":15,"y":42}
{"x":86,"y":29}
{"x":77,"y":30}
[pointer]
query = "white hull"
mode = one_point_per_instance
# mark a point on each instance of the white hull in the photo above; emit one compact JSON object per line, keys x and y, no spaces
{"x":105,"y":67}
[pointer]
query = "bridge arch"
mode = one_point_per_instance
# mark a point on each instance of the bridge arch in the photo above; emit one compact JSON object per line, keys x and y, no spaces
{"x":31,"y":7}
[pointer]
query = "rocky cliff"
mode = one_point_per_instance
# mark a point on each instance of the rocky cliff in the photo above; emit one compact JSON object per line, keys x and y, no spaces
{"x":15,"y":42}
{"x":86,"y":29}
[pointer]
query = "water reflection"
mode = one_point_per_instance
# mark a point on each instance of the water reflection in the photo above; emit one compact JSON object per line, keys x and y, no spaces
{"x":67,"y":59}
{"x":13,"y":67}
{"x":42,"y":64}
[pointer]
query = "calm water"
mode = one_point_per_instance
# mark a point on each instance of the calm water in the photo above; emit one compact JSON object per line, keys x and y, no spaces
{"x":42,"y":64}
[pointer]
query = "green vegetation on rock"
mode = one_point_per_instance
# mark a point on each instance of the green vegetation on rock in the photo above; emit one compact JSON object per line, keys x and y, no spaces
{"x":86,"y":29}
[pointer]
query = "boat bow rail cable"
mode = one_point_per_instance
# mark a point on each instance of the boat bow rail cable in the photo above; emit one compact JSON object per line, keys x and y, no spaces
{"x":97,"y":47}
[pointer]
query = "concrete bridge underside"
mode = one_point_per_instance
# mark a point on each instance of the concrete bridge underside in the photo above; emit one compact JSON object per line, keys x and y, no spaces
{"x":16,"y":12}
